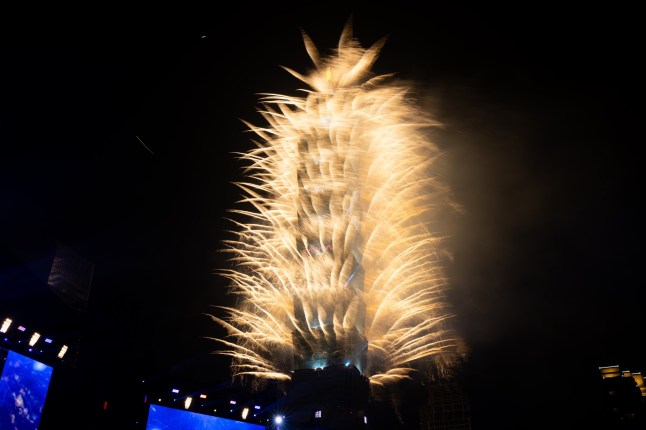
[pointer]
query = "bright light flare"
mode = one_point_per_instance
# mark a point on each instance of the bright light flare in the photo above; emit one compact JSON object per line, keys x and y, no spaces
{"x":338,"y":258}
{"x":34,"y":339}
{"x":62,"y":352}
{"x":5,"y":325}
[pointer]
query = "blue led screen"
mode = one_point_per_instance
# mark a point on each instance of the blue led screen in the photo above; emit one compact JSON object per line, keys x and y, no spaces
{"x":164,"y":418}
{"x":23,"y":390}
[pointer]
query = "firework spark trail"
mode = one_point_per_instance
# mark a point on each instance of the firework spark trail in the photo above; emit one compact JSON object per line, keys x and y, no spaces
{"x":336,"y":260}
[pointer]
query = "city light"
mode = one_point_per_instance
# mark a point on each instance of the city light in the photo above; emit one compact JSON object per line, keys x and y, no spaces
{"x":34,"y":339}
{"x":62,"y":352}
{"x":5,"y":325}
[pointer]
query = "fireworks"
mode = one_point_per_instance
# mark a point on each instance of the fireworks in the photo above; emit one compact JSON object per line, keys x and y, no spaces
{"x":336,"y":258}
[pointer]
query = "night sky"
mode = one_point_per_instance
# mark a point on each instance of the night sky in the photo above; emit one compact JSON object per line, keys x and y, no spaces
{"x":117,"y":129}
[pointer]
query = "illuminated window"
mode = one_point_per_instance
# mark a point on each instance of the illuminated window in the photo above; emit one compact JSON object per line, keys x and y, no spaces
{"x":317,"y":414}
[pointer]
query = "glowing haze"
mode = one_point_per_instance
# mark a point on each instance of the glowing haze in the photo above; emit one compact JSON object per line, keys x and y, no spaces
{"x":337,"y":258}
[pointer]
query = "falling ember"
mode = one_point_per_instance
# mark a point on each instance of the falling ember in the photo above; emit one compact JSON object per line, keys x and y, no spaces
{"x":337,"y":261}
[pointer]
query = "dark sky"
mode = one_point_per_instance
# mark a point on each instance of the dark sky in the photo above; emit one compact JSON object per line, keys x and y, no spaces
{"x":543,"y":115}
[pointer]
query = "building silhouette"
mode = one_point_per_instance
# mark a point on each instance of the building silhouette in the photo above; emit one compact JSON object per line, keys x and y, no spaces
{"x":447,"y":408}
{"x":623,"y":398}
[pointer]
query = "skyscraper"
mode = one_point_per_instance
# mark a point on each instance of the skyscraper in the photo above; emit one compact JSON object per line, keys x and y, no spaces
{"x":339,"y":259}
{"x":623,"y":397}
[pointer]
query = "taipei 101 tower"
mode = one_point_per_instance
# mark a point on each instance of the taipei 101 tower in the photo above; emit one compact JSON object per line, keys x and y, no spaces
{"x":329,"y":204}
{"x":338,"y":262}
